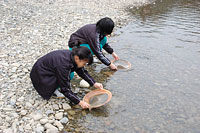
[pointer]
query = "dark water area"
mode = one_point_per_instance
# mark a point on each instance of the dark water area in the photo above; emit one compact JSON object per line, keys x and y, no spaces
{"x":161,"y":93}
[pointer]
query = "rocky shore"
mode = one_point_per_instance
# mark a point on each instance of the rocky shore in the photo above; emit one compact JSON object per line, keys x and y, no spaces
{"x":28,"y":30}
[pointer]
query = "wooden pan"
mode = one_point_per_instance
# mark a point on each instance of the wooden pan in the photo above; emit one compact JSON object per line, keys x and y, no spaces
{"x":97,"y":98}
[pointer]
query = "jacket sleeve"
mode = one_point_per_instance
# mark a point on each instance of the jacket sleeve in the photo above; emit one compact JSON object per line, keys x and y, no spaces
{"x":107,"y":48}
{"x":95,"y":46}
{"x":62,"y":74}
{"x":84,"y":75}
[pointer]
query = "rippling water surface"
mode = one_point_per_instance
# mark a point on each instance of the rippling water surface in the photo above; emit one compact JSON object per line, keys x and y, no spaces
{"x":162,"y":90}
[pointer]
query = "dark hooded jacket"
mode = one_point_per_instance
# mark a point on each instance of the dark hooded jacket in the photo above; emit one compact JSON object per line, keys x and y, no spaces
{"x":53,"y":70}
{"x":89,"y":34}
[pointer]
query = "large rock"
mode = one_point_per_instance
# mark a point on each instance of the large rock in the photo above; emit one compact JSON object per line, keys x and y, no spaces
{"x":55,"y":107}
{"x":59,"y":115}
{"x":84,"y":84}
{"x":28,"y":105}
{"x":23,"y":112}
{"x":64,"y":120}
{"x":13,"y":101}
{"x":50,"y":128}
{"x":59,"y":125}
{"x":66,"y":106}
{"x":48,"y":112}
{"x":36,"y":116}
{"x":21,"y":99}
{"x":43,"y":121}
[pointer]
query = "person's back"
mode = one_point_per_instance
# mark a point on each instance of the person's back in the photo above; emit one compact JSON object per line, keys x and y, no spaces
{"x":53,"y":59}
{"x":83,"y":35}
{"x":43,"y":73}
{"x":93,"y":36}
{"x":53,"y":70}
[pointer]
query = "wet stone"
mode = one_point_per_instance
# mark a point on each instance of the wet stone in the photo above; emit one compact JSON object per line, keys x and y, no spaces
{"x":70,"y":117}
{"x":71,"y":112}
{"x":78,"y":130}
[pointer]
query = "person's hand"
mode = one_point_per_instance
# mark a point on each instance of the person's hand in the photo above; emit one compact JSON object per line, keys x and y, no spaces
{"x":113,"y":67}
{"x":84,"y":105}
{"x":115,"y":56}
{"x":98,"y":85}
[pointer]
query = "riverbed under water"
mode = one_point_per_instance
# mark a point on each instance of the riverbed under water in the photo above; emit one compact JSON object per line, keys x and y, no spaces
{"x":161,"y":93}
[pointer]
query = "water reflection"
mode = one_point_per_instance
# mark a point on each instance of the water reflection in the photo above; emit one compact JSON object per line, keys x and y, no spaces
{"x":180,"y":16}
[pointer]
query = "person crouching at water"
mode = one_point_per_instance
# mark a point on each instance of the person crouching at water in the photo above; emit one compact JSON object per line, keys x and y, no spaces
{"x":53,"y":70}
{"x":93,"y":36}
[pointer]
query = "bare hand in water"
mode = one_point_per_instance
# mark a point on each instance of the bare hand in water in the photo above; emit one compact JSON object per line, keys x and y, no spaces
{"x":115,"y":56}
{"x":84,"y":105}
{"x":113,"y":67}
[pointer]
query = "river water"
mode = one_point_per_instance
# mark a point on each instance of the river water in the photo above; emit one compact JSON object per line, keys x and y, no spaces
{"x":161,"y":93}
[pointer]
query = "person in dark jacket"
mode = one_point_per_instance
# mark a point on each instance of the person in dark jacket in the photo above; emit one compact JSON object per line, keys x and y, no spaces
{"x":53,"y":70}
{"x":93,"y":36}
